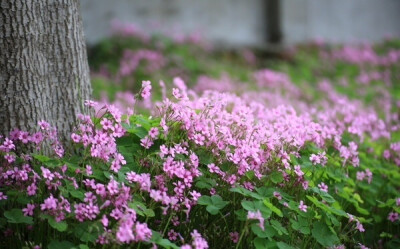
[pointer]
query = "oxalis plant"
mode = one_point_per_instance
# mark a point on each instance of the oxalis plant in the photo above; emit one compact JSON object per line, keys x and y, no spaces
{"x":210,"y":171}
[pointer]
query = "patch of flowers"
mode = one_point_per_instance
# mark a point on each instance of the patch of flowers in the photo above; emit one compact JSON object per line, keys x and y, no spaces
{"x":209,"y":168}
{"x":277,"y":164}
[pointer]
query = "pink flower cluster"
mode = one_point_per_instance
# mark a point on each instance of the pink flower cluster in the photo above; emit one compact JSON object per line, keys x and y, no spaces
{"x":131,"y":60}
{"x":364,"y":54}
{"x":367,"y":174}
{"x":256,"y":216}
{"x":102,"y":142}
{"x":198,"y":242}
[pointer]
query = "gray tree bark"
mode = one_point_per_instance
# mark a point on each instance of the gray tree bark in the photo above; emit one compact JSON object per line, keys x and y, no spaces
{"x":44,"y":73}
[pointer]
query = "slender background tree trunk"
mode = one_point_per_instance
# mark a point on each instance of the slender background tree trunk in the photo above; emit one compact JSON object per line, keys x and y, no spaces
{"x":44,"y":74}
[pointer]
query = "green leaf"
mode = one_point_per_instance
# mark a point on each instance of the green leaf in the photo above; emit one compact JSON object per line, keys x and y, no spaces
{"x":213,"y":203}
{"x":41,"y":158}
{"x":157,"y":239}
{"x":16,"y":216}
{"x":325,"y":196}
{"x":265,"y":192}
{"x":55,"y":244}
{"x":204,"y":200}
{"x":272,"y":207}
{"x":260,"y":243}
{"x":77,"y":194}
{"x":241,"y":214}
{"x":276,"y":177}
{"x":278,"y":227}
{"x":268,"y":231}
{"x":138,"y":131}
{"x":23,"y":199}
{"x":141,"y":208}
{"x":357,"y":197}
{"x":205,"y":157}
{"x":324,"y":235}
{"x":301,"y":225}
{"x":87,"y":231}
{"x":246,"y":193}
{"x":218,"y":202}
{"x":60,"y":226}
{"x":249,"y":205}
{"x":149,"y":212}
{"x":206,"y":183}
{"x":283,"y":245}
{"x":212,"y":209}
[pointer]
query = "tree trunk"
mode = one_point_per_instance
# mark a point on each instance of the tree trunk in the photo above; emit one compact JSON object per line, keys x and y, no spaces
{"x":44,"y":74}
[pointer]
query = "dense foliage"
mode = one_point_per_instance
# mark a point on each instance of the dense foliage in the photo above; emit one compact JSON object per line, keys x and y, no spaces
{"x":305,"y":154}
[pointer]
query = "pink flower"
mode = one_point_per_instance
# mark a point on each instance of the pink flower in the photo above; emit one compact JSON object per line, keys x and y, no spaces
{"x":146,"y":89}
{"x":304,"y":184}
{"x":398,"y":201}
{"x":315,"y":159}
{"x":234,"y":237}
{"x":362,"y":246}
{"x":298,"y":171}
{"x":386,"y":154}
{"x":90,"y":103}
{"x":323,"y":187}
{"x":302,"y":206}
{"x":101,"y":190}
{"x":37,"y":137}
{"x":146,"y":142}
{"x":176,"y":93}
{"x":256,"y":216}
{"x":7,"y":145}
{"x":360,"y":175}
{"x":24,"y":137}
{"x":393,"y":216}
{"x":31,"y":189}
{"x":172,"y":235}
{"x":104,"y":221}
{"x":153,"y":133}
{"x":107,"y":124}
{"x":28,"y":211}
{"x":10,"y":158}
{"x":163,"y":151}
{"x":44,"y":125}
{"x":199,"y":139}
{"x":125,"y":234}
{"x":75,"y":137}
{"x":89,"y":170}
{"x":351,"y":217}
{"x":360,"y":227}
{"x":3,"y":196}
{"x":49,"y":204}
{"x":47,"y":173}
{"x":277,"y":195}
{"x":142,"y":232}
{"x":198,"y":241}
{"x":112,"y":187}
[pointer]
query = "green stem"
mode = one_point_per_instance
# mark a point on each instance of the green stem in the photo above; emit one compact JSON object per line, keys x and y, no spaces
{"x":241,"y":236}
{"x":165,"y":228}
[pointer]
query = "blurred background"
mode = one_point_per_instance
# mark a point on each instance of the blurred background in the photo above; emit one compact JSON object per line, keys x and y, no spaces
{"x":296,"y":49}
{"x":251,"y":22}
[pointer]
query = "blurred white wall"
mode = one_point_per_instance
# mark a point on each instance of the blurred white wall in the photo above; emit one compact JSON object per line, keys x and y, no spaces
{"x":340,"y":21}
{"x":236,"y":22}
{"x":243,"y":22}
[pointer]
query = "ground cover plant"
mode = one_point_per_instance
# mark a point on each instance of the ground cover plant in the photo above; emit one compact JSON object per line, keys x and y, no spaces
{"x":191,"y":148}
